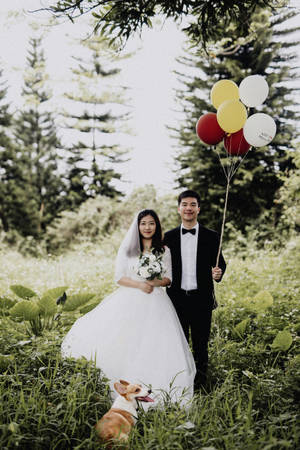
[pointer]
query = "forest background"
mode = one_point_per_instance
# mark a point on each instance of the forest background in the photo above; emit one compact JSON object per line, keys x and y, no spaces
{"x":64,"y":208}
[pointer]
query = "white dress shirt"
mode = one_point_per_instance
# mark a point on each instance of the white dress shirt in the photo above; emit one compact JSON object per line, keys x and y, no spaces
{"x":188,"y":245}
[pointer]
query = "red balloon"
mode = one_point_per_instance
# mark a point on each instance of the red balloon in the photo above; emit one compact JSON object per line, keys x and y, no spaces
{"x":236,"y":144}
{"x":208,"y":129}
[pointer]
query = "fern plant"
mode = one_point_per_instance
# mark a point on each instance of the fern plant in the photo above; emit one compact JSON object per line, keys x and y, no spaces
{"x":41,"y":313}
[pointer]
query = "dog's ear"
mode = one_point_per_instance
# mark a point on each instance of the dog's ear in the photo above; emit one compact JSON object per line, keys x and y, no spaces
{"x":120,"y":388}
{"x":124,"y":382}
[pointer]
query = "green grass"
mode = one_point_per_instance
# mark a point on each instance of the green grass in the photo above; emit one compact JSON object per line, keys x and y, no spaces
{"x":47,"y":402}
{"x":251,"y":399}
{"x":81,"y":270}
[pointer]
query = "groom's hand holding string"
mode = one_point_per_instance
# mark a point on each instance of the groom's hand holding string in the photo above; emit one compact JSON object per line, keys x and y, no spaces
{"x":217,"y":273}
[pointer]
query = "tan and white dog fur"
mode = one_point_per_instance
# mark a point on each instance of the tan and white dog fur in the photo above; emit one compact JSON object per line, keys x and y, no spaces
{"x":118,"y":421}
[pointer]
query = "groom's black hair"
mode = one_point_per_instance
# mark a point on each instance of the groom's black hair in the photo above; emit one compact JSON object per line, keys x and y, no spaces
{"x":189,"y":193}
{"x":157,"y":243}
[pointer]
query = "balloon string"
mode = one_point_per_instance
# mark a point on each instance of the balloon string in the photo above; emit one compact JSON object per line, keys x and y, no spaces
{"x":223,"y":221}
{"x":241,"y":161}
{"x":232,"y":169}
{"x":222,"y":165}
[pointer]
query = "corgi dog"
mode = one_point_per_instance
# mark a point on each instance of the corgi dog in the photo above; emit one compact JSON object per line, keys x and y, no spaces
{"x":118,"y":421}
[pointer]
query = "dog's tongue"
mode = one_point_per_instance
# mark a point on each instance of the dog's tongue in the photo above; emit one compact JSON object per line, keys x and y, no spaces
{"x":146,"y":399}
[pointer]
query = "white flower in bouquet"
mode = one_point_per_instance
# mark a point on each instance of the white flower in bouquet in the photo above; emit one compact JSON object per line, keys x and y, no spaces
{"x":143,"y":272}
{"x":150,"y":266}
{"x":156,"y":267}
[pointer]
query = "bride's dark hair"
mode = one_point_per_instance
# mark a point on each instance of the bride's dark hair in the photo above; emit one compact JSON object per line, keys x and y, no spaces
{"x":157,"y":237}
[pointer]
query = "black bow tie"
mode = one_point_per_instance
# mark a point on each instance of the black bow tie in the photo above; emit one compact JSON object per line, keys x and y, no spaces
{"x":192,"y":230}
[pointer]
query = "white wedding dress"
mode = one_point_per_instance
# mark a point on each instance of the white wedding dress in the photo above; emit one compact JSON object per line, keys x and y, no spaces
{"x":137,"y":337}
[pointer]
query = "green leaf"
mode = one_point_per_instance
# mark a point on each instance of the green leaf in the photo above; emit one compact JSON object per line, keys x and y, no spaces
{"x":262,"y":301}
{"x":7,"y":303}
{"x":47,"y":303}
{"x":240,"y":328}
{"x":5,"y":361}
{"x":25,"y":310}
{"x":22,"y":291}
{"x":55,"y":293}
{"x":75,"y":301}
{"x":89,"y":307}
{"x":282,"y":341}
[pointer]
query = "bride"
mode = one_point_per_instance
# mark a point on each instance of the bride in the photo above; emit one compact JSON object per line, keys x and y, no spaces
{"x":134,"y":333}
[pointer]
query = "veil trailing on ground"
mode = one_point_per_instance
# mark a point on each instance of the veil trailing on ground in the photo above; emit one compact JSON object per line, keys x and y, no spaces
{"x":130,"y":247}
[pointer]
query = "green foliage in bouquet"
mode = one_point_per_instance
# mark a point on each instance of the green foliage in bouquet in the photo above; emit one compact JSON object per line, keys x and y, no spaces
{"x":43,"y":313}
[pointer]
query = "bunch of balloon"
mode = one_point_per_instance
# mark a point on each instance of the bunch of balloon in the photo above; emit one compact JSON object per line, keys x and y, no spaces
{"x":232,"y":125}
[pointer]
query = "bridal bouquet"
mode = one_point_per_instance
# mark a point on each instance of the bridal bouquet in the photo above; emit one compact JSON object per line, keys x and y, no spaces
{"x":150,"y":266}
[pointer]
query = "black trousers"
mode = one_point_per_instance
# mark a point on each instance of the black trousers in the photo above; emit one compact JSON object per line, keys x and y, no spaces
{"x":195,"y":317}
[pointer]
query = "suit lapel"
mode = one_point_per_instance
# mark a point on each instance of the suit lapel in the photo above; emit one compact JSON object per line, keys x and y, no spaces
{"x":177,"y":254}
{"x":198,"y":252}
{"x":202,"y":252}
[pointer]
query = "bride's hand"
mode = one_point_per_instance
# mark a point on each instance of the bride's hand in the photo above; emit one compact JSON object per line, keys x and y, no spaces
{"x":155,"y":283}
{"x":146,"y":287}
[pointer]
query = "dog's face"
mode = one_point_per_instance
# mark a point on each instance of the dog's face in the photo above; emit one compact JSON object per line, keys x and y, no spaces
{"x":133,"y":392}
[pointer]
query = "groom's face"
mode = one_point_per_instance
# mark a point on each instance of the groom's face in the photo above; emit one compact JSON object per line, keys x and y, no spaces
{"x":189,"y":210}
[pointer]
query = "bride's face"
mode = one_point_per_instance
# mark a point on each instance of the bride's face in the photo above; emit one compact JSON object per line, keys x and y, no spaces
{"x":147,"y":227}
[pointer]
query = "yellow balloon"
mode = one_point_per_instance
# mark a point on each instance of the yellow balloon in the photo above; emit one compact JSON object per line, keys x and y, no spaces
{"x":224,"y":90}
{"x":231,"y":115}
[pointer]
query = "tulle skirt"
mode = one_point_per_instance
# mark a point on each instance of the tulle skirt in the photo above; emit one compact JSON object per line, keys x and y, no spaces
{"x":136,"y":337}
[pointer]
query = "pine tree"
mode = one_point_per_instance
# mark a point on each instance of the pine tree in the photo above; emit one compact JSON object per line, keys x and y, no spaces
{"x":93,"y":154}
{"x":15,"y":191}
{"x":37,"y":147}
{"x":266,"y":52}
{"x":6,"y":154}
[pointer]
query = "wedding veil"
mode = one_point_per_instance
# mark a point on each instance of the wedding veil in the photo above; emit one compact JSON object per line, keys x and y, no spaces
{"x":129,"y":248}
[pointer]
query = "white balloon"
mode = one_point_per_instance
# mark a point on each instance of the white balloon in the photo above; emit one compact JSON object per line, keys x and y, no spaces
{"x":253,"y":90}
{"x":259,"y":129}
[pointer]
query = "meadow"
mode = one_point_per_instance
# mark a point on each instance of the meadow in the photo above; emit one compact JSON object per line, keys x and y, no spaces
{"x":251,"y":400}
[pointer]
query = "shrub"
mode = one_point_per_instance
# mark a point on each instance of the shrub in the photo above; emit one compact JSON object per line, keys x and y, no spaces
{"x":42,"y":313}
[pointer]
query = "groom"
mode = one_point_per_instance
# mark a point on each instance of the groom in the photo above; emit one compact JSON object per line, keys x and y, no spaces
{"x":194,"y":251}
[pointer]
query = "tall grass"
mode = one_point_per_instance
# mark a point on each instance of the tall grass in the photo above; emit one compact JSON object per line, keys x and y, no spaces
{"x":250,"y":401}
{"x":47,"y":402}
{"x":84,"y":269}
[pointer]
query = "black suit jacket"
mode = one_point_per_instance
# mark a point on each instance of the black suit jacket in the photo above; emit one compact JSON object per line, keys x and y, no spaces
{"x":207,"y":249}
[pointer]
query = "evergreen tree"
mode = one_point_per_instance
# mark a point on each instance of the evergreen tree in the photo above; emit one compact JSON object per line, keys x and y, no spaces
{"x":37,"y":147}
{"x":93,"y":153}
{"x":15,"y":192}
{"x":266,"y":52}
{"x":6,"y":154}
